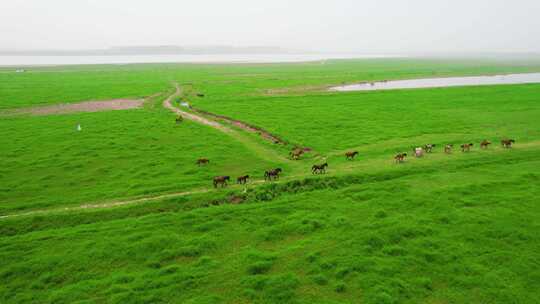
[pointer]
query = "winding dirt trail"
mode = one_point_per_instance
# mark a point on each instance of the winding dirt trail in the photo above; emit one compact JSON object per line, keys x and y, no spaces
{"x":261,"y":150}
{"x":168,"y":105}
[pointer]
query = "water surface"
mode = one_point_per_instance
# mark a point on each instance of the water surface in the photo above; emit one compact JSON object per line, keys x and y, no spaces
{"x":441,"y":82}
{"x":32,"y":60}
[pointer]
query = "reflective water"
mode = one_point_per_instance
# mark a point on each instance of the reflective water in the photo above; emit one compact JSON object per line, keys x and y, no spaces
{"x":210,"y":58}
{"x":441,"y":82}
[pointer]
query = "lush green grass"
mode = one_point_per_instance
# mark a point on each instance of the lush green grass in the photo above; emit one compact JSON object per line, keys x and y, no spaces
{"x":458,"y":228}
{"x":338,"y":121}
{"x":458,"y":232}
{"x":46,"y":162}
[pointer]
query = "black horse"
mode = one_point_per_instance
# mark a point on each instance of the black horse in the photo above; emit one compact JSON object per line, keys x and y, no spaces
{"x":274,"y":173}
{"x":319,"y":169}
{"x":242,"y":179}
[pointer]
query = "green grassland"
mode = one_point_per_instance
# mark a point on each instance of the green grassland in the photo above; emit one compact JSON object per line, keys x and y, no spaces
{"x":394,"y":119}
{"x":458,"y":232}
{"x":133,"y":153}
{"x":447,"y":228}
{"x":48,"y":85}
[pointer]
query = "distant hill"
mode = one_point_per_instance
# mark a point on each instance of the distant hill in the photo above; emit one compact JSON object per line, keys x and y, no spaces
{"x":152,"y":50}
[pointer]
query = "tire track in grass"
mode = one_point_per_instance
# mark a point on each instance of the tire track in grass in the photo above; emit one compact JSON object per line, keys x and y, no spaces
{"x":140,"y":200}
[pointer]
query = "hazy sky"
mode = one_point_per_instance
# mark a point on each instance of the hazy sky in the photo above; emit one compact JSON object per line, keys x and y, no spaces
{"x":373,"y":26}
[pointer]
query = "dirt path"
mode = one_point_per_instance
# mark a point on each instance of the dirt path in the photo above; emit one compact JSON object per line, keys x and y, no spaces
{"x":167,"y":103}
{"x":148,"y":199}
{"x":260,"y":149}
{"x":105,"y":205}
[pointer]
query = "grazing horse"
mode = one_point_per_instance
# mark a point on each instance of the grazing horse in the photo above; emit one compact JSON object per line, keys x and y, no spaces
{"x":316,"y":169}
{"x":448,"y":148}
{"x":221,"y":180}
{"x":179,"y":119}
{"x":429,"y":147}
{"x":507,"y":143}
{"x":274,"y":173}
{"x":242,"y":179}
{"x":466,"y":147}
{"x":202,"y":161}
{"x":351,"y":155}
{"x":296,"y":153}
{"x":484,"y":144}
{"x":418,"y":152}
{"x":400,"y":157}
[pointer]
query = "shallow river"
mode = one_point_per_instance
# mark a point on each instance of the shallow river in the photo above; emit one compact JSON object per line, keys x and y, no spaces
{"x":441,"y":82}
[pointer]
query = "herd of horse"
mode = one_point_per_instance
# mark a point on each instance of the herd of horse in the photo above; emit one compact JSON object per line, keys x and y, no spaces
{"x":273,"y":174}
{"x":419,"y":151}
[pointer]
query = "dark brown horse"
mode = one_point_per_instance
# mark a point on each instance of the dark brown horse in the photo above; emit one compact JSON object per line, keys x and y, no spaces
{"x":319,"y":169}
{"x":400,"y":157}
{"x":466,"y":147}
{"x":484,"y":144}
{"x":272,"y":174}
{"x":429,"y":148}
{"x":221,"y":180}
{"x":351,"y":155}
{"x":203,"y":161}
{"x":507,"y":143}
{"x":242,"y":179}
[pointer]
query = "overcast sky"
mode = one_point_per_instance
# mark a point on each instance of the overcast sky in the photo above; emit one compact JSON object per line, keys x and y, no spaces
{"x":372,"y":26}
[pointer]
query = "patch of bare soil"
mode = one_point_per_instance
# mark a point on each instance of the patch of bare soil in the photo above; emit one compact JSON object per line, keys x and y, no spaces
{"x":85,"y":106}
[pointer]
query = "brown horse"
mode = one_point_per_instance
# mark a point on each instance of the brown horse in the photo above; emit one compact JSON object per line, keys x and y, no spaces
{"x":203,"y":161}
{"x":296,"y":153}
{"x":484,"y":144}
{"x":466,"y":147}
{"x":179,"y":119}
{"x":316,"y":169}
{"x":221,"y":180}
{"x":400,"y":157}
{"x":429,"y":148}
{"x":448,"y":148}
{"x":507,"y":143}
{"x":274,"y":173}
{"x":351,"y":155}
{"x":242,"y":179}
